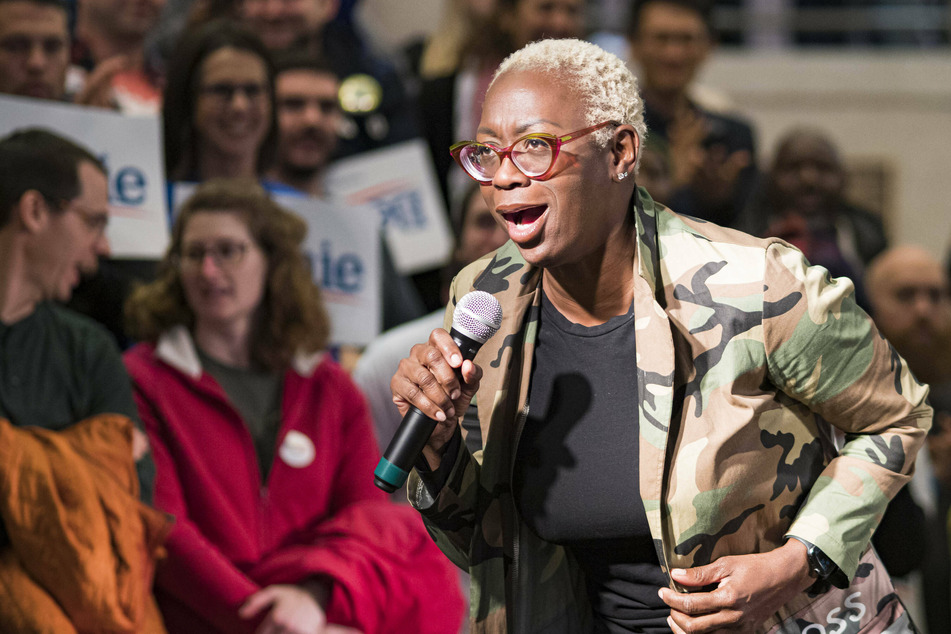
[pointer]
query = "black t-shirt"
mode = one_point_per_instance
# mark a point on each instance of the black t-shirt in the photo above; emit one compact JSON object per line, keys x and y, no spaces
{"x":576,"y":472}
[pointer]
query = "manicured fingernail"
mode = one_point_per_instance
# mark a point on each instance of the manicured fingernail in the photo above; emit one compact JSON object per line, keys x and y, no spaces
{"x":455,"y":360}
{"x":440,"y":416}
{"x":455,"y":394}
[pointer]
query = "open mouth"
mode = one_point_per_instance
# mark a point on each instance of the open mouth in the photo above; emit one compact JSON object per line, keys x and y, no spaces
{"x":524,"y":224}
{"x":525,"y":216}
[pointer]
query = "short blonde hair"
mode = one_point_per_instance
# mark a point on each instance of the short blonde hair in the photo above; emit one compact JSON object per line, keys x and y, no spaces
{"x":602,"y":80}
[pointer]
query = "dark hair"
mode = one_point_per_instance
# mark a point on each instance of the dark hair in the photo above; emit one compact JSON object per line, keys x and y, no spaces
{"x":291,"y":315}
{"x":182,"y":90}
{"x":702,"y":8}
{"x":300,"y":59}
{"x":37,"y":159}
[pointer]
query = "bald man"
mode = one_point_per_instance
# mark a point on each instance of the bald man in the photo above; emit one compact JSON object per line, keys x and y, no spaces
{"x":909,"y":293}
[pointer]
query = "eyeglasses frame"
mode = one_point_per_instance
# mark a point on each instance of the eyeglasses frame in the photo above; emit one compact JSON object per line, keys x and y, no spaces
{"x":556,"y":141}
{"x":183,"y":262}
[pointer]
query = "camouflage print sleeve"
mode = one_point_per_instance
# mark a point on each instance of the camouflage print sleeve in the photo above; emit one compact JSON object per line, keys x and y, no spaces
{"x":450,"y":516}
{"x":825,"y":352}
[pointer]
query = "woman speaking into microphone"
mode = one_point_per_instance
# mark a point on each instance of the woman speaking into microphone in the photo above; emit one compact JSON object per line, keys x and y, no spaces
{"x":684,"y":428}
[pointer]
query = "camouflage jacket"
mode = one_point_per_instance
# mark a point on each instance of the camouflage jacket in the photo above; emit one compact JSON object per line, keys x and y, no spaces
{"x":769,"y":405}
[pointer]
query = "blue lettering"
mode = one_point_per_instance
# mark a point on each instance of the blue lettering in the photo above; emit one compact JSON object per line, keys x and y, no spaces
{"x":403,"y":211}
{"x":127,"y":185}
{"x":349,"y":273}
{"x":325,"y":265}
{"x":130,"y":186}
{"x":344,"y":273}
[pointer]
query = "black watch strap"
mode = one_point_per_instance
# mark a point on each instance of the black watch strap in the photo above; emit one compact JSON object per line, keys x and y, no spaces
{"x":821,"y":568}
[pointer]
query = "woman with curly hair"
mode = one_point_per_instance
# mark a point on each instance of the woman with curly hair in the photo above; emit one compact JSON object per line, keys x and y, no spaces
{"x":263,"y":445}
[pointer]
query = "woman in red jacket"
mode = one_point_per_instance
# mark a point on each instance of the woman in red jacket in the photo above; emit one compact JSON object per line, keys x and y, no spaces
{"x":263,"y":446}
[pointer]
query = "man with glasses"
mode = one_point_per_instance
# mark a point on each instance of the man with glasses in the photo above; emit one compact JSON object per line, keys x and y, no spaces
{"x":56,"y":367}
{"x":62,"y":383}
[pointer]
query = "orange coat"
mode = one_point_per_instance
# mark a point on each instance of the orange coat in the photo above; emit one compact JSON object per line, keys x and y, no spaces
{"x":82,"y":548}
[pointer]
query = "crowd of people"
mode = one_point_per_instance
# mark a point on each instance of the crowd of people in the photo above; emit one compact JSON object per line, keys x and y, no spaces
{"x":186,"y":444}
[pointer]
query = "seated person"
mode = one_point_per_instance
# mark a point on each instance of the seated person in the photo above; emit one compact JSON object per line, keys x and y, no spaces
{"x":264,"y":447}
{"x":62,"y":377}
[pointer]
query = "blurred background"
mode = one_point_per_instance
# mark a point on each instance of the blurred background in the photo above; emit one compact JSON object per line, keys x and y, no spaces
{"x":875,"y":74}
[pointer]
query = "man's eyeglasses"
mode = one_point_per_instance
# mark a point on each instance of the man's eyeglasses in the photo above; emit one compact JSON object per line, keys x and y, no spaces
{"x":95,"y":221}
{"x":225,"y":255}
{"x":533,"y":155}
{"x":225,"y":92}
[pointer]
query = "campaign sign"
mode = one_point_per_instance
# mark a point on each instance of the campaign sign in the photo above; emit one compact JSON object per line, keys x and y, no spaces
{"x":129,"y":146}
{"x":399,"y":182}
{"x":343,"y":248}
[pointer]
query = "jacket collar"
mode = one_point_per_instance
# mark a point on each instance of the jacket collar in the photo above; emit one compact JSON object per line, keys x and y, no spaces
{"x":177,"y":348}
{"x":645,"y":222}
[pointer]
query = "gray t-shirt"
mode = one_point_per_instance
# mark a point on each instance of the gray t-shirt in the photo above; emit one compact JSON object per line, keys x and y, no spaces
{"x":256,"y":394}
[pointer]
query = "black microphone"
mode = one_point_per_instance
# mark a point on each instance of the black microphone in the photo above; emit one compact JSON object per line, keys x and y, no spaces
{"x":476,"y":318}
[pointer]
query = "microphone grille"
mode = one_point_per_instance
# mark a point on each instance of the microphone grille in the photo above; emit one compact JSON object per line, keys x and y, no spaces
{"x":478,"y":315}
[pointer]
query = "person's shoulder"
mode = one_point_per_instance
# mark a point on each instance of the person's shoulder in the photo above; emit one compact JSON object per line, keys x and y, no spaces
{"x":141,"y":355}
{"x":76,"y":327}
{"x":686,"y":237}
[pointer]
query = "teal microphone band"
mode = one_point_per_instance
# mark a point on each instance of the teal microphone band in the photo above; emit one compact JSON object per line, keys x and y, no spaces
{"x":388,"y":476}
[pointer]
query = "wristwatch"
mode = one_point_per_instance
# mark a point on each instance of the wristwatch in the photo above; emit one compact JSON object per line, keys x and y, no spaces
{"x":821,"y":568}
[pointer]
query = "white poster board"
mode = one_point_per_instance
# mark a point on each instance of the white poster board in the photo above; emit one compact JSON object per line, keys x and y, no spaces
{"x":131,"y":149}
{"x":343,"y":247}
{"x":399,"y":182}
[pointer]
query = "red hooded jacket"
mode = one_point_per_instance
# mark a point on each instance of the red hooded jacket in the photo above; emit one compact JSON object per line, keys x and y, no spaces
{"x":318,"y":514}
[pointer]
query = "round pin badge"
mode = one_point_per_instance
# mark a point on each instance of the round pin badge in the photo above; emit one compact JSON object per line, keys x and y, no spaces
{"x":297,"y":450}
{"x":360,"y":94}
